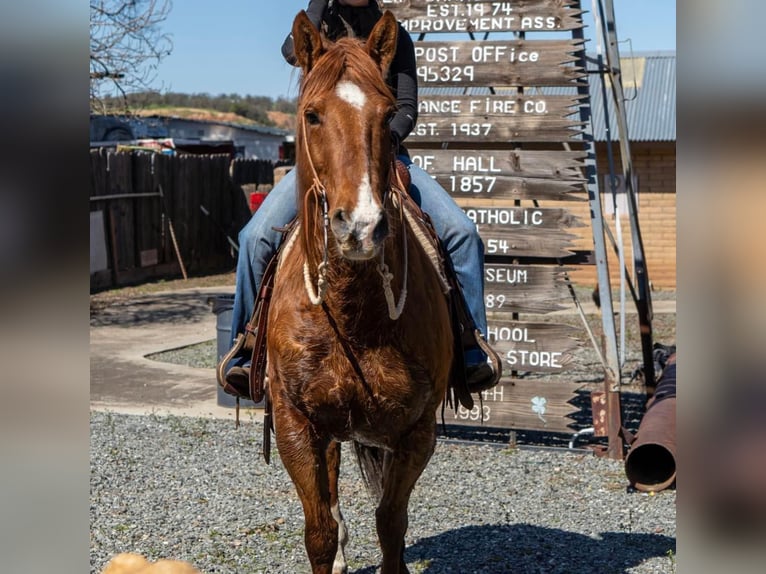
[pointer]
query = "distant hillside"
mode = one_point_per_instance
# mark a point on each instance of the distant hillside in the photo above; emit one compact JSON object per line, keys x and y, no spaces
{"x":196,"y":114}
{"x":282,"y":120}
{"x":249,"y":110}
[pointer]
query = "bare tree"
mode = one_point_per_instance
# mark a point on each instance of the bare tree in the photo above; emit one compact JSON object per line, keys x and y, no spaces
{"x":126,"y":46}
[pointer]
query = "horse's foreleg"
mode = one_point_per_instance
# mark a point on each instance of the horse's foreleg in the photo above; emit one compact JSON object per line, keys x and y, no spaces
{"x":401,"y":470}
{"x":304,"y":457}
{"x":333,"y":468}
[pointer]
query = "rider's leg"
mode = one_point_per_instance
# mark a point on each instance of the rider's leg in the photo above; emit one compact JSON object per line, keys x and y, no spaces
{"x":258,"y":241}
{"x":463,"y":245}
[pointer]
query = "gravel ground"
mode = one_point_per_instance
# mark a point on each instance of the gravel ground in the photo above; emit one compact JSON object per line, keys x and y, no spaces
{"x":198,"y":490}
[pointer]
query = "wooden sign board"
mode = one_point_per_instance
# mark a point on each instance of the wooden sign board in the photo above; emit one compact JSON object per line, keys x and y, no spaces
{"x":521,"y":404}
{"x":428,"y":16}
{"x":524,"y":231}
{"x":504,"y":174}
{"x":524,"y":288}
{"x":498,"y":63}
{"x":534,"y":347}
{"x":502,"y":187}
{"x":496,"y":117}
{"x":547,"y":164}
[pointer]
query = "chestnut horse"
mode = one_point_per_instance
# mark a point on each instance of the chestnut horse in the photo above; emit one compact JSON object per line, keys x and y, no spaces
{"x":359,"y":336}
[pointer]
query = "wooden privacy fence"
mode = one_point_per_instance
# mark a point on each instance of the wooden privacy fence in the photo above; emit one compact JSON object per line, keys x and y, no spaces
{"x":258,"y":171}
{"x":155,"y":215}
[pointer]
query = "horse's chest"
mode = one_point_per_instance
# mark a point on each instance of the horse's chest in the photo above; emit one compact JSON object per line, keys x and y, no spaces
{"x":368,"y":397}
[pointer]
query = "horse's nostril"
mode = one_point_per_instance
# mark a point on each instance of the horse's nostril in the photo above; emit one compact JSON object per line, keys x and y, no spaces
{"x":339,"y":216}
{"x":381,"y":229}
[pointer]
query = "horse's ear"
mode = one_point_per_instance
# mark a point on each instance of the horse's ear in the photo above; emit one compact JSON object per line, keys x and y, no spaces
{"x":307,"y":42}
{"x":381,"y":43}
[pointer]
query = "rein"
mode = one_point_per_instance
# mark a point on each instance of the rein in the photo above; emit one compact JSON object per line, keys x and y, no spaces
{"x":316,"y":295}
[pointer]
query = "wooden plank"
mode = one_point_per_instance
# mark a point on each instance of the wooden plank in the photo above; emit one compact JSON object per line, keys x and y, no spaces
{"x":543,"y":164}
{"x":485,"y":186}
{"x":495,"y":218}
{"x":122,"y":212}
{"x":484,"y":129}
{"x":524,"y":288}
{"x":520,"y":404}
{"x":532,"y":347}
{"x":579,"y":257}
{"x":523,"y":231}
{"x":163,"y":180}
{"x":148,"y":214}
{"x":427,"y":16}
{"x":99,"y":175}
{"x":504,"y":117}
{"x":526,"y":242}
{"x":498,"y":63}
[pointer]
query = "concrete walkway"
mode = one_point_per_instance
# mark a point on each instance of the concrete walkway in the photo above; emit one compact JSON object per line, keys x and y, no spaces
{"x":123,"y":380}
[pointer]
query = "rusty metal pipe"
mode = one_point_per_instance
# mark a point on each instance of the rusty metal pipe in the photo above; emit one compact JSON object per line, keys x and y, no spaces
{"x":651,"y":461}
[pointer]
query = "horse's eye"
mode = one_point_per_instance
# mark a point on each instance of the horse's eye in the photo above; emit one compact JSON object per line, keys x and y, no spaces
{"x":312,"y":118}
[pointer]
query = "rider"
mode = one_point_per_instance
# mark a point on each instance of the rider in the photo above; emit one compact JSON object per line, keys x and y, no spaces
{"x":258,"y":240}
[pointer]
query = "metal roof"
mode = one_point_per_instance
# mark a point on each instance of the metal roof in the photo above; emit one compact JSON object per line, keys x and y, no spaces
{"x":649,"y":86}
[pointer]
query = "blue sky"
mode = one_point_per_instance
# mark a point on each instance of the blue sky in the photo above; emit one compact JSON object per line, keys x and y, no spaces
{"x":233,"y":46}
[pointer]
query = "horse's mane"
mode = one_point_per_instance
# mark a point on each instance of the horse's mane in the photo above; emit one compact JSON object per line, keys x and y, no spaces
{"x":347,"y":57}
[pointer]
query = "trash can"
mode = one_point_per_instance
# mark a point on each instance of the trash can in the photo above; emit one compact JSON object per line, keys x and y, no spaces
{"x":223,"y":306}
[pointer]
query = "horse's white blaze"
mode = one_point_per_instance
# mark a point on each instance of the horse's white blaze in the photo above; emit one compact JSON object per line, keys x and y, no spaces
{"x":366,"y":212}
{"x":351,"y":93}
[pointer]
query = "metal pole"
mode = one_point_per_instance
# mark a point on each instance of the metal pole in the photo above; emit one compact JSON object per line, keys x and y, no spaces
{"x":612,"y":372}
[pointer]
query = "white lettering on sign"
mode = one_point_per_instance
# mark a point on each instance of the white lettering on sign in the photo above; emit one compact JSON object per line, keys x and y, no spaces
{"x":426,"y":129}
{"x":474,"y":163}
{"x":493,"y":394}
{"x":483,"y":53}
{"x":437,"y":54}
{"x":492,"y":106}
{"x":479,"y":413}
{"x":535,"y":107}
{"x":439,"y":107}
{"x":471,"y":183}
{"x":523,"y":56}
{"x":471,"y":129}
{"x":489,"y":53}
{"x":495,"y":216}
{"x":511,"y":276}
{"x":494,"y":301}
{"x":445,"y":73}
{"x":481,"y":106}
{"x":512,"y":334}
{"x":520,"y":358}
{"x":424,"y":162}
{"x":539,"y":23}
{"x":423,"y":25}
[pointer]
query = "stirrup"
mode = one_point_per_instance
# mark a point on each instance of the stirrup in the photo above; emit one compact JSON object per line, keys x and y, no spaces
{"x":221,"y":374}
{"x":493,"y":362}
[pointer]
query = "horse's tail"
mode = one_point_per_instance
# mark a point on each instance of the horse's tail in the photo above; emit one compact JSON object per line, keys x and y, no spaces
{"x":370,"y":461}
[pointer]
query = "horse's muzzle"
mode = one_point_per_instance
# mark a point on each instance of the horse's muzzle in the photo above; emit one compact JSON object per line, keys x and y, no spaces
{"x":359,"y":237}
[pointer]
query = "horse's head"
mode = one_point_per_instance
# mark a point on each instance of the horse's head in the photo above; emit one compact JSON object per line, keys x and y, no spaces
{"x":343,"y":142}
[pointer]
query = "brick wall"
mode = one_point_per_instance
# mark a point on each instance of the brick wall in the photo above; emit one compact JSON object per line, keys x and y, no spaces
{"x":655,"y":167}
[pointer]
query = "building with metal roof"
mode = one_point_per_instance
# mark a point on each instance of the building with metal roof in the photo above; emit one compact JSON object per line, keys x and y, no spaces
{"x":649,"y":83}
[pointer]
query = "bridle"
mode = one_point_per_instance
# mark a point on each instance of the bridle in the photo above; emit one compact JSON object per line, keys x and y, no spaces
{"x":319,"y":191}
